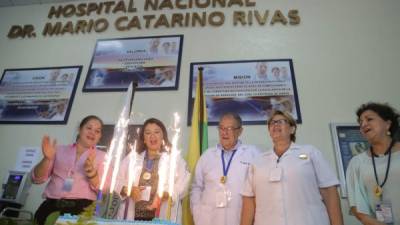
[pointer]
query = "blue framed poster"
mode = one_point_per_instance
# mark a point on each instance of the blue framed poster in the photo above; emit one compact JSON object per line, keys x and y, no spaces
{"x":152,"y":62}
{"x":38,"y":95}
{"x":252,"y":88}
{"x":348,"y":142}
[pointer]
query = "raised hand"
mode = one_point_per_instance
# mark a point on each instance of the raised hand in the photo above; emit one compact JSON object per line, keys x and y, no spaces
{"x":48,"y":147}
{"x":90,"y":170}
{"x":155,"y":204}
{"x":136,"y":193}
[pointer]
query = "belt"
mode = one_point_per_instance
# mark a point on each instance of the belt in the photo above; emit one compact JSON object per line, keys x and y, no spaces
{"x":69,"y":203}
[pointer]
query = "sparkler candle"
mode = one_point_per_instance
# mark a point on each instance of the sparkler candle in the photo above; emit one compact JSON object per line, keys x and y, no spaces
{"x":118,"y":141}
{"x":131,"y":171}
{"x":172,"y":164}
{"x":162,"y":174}
{"x":167,"y":167}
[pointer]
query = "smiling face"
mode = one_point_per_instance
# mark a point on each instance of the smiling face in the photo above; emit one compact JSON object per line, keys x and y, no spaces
{"x":153,"y":137}
{"x":279,"y":129}
{"x":229,"y":132}
{"x":90,"y":133}
{"x":372,"y":126}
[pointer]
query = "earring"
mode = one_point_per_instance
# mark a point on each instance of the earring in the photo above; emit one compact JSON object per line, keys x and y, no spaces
{"x":388,"y":133}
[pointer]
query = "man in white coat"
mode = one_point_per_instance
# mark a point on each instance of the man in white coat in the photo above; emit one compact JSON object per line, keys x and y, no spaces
{"x":220,"y":174}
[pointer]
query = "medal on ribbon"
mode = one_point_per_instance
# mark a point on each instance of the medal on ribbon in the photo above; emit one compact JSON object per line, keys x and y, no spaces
{"x":225,"y":168}
{"x":146,"y":176}
{"x":149,"y":167}
{"x":223,"y":179}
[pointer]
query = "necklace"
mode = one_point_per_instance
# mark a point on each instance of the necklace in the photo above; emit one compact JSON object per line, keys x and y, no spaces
{"x":379,"y":187}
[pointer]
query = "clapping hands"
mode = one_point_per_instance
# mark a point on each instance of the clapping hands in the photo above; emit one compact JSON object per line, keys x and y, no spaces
{"x":90,"y":170}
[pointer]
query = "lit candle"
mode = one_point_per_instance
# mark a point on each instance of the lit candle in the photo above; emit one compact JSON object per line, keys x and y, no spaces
{"x":172,"y":164}
{"x":116,"y":148}
{"x":131,"y":168}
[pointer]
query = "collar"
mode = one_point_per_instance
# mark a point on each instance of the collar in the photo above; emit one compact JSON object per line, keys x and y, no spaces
{"x":293,"y":147}
{"x":238,"y":144}
{"x":74,"y":147}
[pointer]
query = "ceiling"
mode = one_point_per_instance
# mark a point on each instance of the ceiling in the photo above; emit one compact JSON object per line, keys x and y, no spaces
{"x":10,"y":3}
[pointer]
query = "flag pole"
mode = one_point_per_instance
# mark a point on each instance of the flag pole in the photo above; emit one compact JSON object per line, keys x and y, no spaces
{"x":198,"y":139}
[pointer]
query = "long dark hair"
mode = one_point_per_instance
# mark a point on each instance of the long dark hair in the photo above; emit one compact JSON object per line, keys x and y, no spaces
{"x":141,"y":147}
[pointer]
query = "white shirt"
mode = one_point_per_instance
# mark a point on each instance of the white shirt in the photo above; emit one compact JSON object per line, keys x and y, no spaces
{"x":294,"y":197}
{"x":361,"y":183}
{"x":206,"y":184}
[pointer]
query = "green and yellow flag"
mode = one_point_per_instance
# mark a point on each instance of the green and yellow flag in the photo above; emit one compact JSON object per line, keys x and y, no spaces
{"x":198,"y":139}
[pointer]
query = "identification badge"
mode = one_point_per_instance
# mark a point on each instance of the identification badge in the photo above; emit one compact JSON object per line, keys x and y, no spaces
{"x":67,"y":186}
{"x":383,"y":212}
{"x":221,"y":199}
{"x":145,"y":194}
{"x":275,"y":175}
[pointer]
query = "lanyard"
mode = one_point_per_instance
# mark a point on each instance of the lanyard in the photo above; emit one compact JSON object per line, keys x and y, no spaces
{"x":225,"y":170}
{"x":388,"y":151}
{"x":149,"y":162}
{"x":71,"y":170}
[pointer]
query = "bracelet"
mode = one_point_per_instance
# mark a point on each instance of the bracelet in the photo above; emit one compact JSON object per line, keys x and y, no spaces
{"x":93,"y":176}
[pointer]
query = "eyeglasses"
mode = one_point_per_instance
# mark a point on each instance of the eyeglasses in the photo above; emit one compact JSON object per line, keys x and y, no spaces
{"x":227,"y":129}
{"x":277,"y":122}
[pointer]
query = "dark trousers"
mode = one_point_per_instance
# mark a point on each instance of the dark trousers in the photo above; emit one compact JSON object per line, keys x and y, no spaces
{"x":71,"y":206}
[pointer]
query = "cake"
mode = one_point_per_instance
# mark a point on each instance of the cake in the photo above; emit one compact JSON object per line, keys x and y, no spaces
{"x":68,"y":219}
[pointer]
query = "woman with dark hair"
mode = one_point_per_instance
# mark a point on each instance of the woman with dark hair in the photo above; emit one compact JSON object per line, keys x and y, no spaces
{"x":373,"y":176}
{"x":74,"y":171}
{"x":143,"y":202}
{"x":290,"y":184}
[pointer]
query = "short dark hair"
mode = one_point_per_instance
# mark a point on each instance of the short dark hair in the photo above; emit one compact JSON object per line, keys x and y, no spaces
{"x":88,"y":118}
{"x":234,"y":115}
{"x":385,"y":111}
{"x":85,"y":120}
{"x":141,"y":145}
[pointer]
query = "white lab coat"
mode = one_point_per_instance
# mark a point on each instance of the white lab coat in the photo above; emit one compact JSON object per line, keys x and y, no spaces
{"x":206,"y":184}
{"x":182,"y":177}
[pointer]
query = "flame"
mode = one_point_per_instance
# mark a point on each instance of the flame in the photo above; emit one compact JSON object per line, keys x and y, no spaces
{"x":162,"y":174}
{"x":132,"y":173}
{"x":173,"y":156}
{"x":118,"y":143}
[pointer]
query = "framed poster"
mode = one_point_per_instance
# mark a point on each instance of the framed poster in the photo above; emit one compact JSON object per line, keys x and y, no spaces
{"x":152,"y":62}
{"x":348,"y":142}
{"x":107,"y":135}
{"x":38,"y":95}
{"x":253,"y":89}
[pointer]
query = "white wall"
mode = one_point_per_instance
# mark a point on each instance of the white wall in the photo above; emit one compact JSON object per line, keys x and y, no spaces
{"x":345,"y":53}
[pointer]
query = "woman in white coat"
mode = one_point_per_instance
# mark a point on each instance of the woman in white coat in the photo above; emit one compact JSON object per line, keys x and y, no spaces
{"x":290,"y":184}
{"x":143,"y":203}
